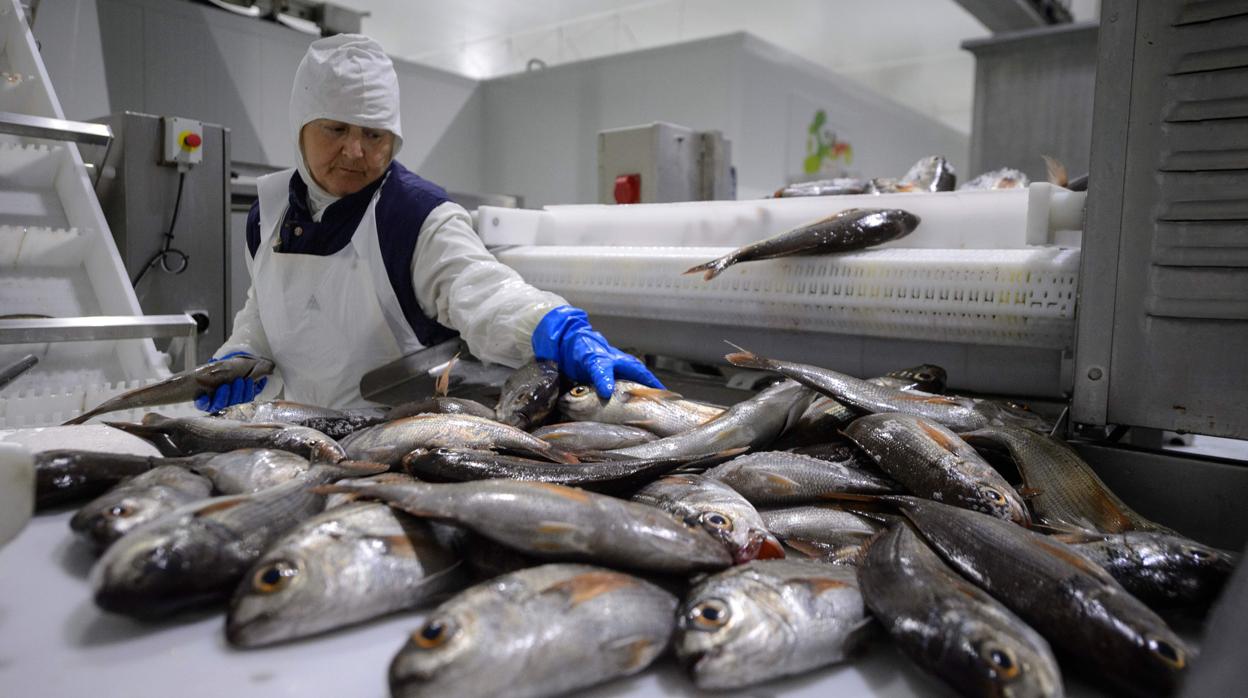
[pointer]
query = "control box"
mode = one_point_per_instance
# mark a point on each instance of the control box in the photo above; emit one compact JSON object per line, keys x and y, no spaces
{"x":183,"y":142}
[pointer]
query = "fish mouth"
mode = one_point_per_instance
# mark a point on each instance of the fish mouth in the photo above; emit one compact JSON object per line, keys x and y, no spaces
{"x":761,"y":545}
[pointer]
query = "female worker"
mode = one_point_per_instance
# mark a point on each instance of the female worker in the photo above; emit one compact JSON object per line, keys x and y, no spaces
{"x":355,"y":261}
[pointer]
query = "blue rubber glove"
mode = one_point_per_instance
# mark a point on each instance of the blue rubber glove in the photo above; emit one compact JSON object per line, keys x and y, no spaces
{"x":232,"y":393}
{"x":565,"y":337}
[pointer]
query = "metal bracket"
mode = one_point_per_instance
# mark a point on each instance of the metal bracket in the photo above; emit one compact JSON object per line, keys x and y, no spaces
{"x":101,"y":327}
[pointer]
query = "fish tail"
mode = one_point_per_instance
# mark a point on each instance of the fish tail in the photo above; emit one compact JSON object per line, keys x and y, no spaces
{"x":143,"y":431}
{"x":1055,"y":171}
{"x":80,"y":418}
{"x":560,"y":455}
{"x":713,"y":268}
{"x":747,"y":359}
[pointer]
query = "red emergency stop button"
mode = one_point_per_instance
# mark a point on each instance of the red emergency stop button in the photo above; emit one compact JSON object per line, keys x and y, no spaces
{"x":192,"y":140}
{"x":628,"y":189}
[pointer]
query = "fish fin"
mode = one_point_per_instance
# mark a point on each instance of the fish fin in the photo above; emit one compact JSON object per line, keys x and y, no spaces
{"x":810,"y":549}
{"x":713,"y":268}
{"x":651,"y":394}
{"x":939,"y":436}
{"x":443,"y":384}
{"x":1029,"y":492}
{"x":746,"y":358}
{"x":1073,"y":558}
{"x":359,"y":468}
{"x":780,"y":482}
{"x":927,"y":399}
{"x":818,"y":585}
{"x":771,"y":549}
{"x":634,"y":652}
{"x":81,"y":418}
{"x":588,"y":585}
{"x":641,"y":423}
{"x":1055,"y":171}
{"x":223,"y":505}
{"x":558,"y":537}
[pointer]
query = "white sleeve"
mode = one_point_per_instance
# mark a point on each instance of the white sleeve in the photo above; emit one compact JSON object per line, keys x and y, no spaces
{"x":464,"y":287}
{"x":249,"y":336}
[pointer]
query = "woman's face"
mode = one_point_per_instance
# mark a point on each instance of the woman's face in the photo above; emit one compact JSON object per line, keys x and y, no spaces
{"x":344,"y":158}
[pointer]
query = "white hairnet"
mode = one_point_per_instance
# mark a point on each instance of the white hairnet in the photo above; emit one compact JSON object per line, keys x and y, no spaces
{"x":346,"y":77}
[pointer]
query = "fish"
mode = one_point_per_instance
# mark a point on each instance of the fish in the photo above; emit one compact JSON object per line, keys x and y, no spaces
{"x":1077,"y":606}
{"x":347,"y":565}
{"x":554,"y":521}
{"x":925,"y":378}
{"x":197,"y":554}
{"x":250,"y":470}
{"x":822,"y":421}
{"x":1063,"y":490}
{"x":661,"y":412}
{"x":700,"y":501}
{"x":64,"y":476}
{"x":932,"y":462}
{"x":1162,"y":570}
{"x":839,"y":450}
{"x":184,"y":386}
{"x":957,"y":413}
{"x":749,"y":423}
{"x":529,"y":395}
{"x":338,"y":499}
{"x":778,"y":478}
{"x":767,"y":619}
{"x":849,"y":230}
{"x":388,"y":443}
{"x":1004,"y":178}
{"x":335,"y":424}
{"x":821,"y":531}
{"x":932,"y":173}
{"x":543,"y":631}
{"x":837,"y":186}
{"x":132,"y":503}
{"x":11,"y":372}
{"x":440,"y":405}
{"x":950,"y":627}
{"x":190,"y":435}
{"x":464,"y":465}
{"x":593,"y":436}
{"x":1055,"y":171}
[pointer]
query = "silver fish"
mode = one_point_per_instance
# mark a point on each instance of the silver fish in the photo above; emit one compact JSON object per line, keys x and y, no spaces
{"x":716,"y":507}
{"x":142,"y":498}
{"x":388,"y":443}
{"x":837,"y":186}
{"x":184,"y":386}
{"x":1004,"y":178}
{"x":1067,"y":598}
{"x":766,"y":619}
{"x":821,"y":422}
{"x":69,"y":475}
{"x":661,"y":412}
{"x":777,"y":478}
{"x":529,"y":395}
{"x":933,"y":462}
{"x":338,"y":499}
{"x":1160,"y":569}
{"x":849,"y":230}
{"x":932,"y":173}
{"x":957,"y":413}
{"x":925,"y":378}
{"x":440,"y":405}
{"x":560,"y":522}
{"x":542,"y":631}
{"x":191,"y":435}
{"x":751,"y":423}
{"x":249,"y":470}
{"x":820,"y":531}
{"x":593,"y":436}
{"x":335,"y":424}
{"x":345,"y":566}
{"x":197,"y":554}
{"x":1065,"y":492}
{"x":949,"y":626}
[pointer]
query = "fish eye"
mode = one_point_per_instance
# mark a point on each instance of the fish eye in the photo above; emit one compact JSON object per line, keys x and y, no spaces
{"x":121,"y":511}
{"x":995,"y":497}
{"x":1001,"y":660}
{"x":710,"y":614}
{"x":924,"y":376}
{"x":579,"y":391}
{"x":717,"y":521}
{"x":1169,"y":653}
{"x":1198,"y":554}
{"x":274,"y":576}
{"x":434,"y":633}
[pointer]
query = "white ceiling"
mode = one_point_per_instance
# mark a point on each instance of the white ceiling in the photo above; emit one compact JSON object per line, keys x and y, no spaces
{"x":907,"y":50}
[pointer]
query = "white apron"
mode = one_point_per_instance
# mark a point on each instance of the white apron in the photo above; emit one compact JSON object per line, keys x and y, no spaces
{"x":329,"y":320}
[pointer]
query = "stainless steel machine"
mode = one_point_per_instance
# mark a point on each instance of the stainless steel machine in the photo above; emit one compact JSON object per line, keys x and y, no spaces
{"x":662,"y":162}
{"x":170,"y":218}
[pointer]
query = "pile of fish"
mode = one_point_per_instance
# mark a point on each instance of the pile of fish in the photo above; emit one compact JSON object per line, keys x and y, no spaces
{"x":931,"y":174}
{"x":759,"y":540}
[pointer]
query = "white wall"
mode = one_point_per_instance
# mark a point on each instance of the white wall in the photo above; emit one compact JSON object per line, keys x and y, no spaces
{"x":541,"y":128}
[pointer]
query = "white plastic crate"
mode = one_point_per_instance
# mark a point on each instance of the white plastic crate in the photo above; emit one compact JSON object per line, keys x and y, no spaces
{"x":1042,"y":214}
{"x":57,"y":254}
{"x":44,"y":406}
{"x":1018,"y":297}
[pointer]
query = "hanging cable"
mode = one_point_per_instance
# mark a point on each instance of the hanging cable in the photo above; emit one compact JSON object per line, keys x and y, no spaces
{"x":167,"y":251}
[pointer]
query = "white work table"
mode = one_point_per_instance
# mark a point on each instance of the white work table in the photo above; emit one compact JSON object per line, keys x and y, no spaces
{"x":55,"y":642}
